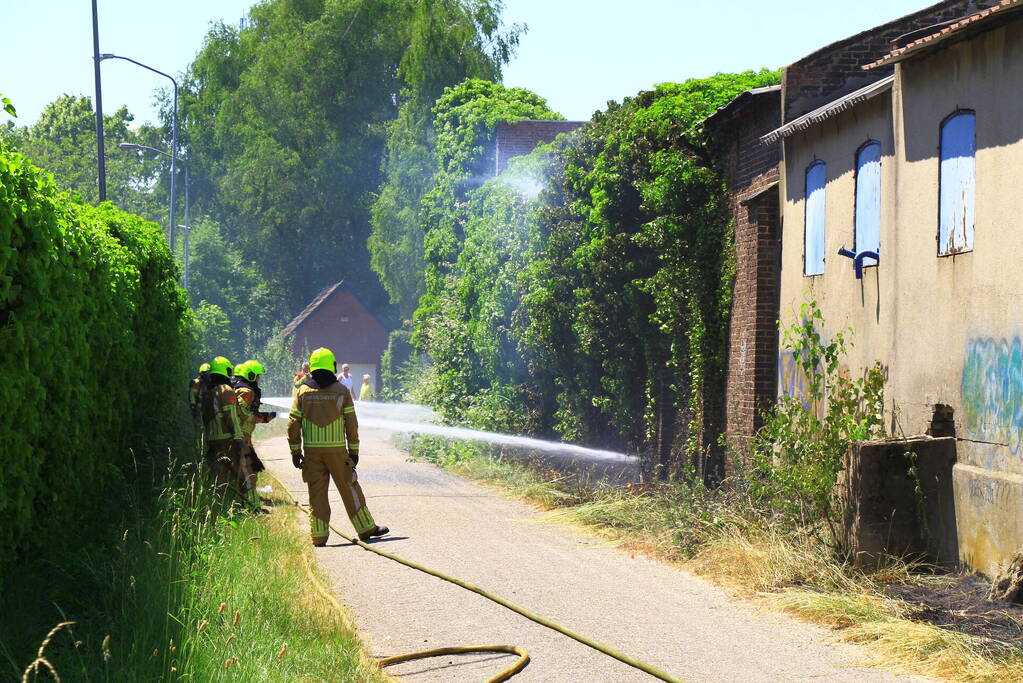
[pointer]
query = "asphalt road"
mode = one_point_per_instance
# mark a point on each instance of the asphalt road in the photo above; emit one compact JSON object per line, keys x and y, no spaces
{"x":656,"y":613}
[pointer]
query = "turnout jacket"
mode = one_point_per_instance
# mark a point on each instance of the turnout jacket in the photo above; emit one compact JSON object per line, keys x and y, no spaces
{"x":249,"y":397}
{"x":323,"y":418}
{"x":224,"y":423}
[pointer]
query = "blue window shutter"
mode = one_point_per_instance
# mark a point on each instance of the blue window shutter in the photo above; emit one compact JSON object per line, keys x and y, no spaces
{"x":868,"y":200}
{"x":813,"y":230}
{"x":957,"y":183}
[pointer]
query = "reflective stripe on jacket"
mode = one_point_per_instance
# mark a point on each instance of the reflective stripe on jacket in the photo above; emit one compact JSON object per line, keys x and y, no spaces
{"x":323,"y":418}
{"x":225,"y":423}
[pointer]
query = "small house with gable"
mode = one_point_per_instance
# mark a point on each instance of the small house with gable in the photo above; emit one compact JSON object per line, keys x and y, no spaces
{"x":338,"y":320}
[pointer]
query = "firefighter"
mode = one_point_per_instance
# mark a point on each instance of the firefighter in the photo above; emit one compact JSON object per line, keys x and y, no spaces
{"x":321,"y":422}
{"x":224,"y":436}
{"x":196,"y":389}
{"x":249,"y":394}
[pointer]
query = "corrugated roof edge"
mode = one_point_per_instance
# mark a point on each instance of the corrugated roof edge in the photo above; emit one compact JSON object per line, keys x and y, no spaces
{"x":738,"y":101}
{"x":830,"y":109}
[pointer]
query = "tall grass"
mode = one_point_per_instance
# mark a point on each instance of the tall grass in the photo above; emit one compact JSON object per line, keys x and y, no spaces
{"x":190,"y":589}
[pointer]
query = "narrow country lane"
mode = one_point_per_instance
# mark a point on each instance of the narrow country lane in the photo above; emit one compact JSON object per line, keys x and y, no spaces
{"x":659,"y":614}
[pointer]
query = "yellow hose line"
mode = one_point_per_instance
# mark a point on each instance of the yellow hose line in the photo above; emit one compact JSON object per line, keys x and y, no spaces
{"x":441,"y":651}
{"x":625,"y":659}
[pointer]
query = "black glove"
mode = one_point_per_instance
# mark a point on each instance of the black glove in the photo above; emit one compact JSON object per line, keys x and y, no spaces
{"x":354,"y":457}
{"x":267,"y":417}
{"x":297,"y":459}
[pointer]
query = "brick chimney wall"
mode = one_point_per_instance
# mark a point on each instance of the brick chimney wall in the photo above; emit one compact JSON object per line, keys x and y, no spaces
{"x":835,"y":70}
{"x":522,"y":137}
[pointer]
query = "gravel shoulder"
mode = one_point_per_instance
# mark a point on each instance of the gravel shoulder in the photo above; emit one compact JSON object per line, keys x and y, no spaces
{"x":657,"y":613}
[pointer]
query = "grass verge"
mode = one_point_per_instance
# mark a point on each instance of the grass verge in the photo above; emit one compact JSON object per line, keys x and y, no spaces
{"x":721,"y":536}
{"x":190,"y":589}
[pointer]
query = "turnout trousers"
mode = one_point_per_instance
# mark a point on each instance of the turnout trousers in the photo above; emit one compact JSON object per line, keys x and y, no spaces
{"x":320,"y":466}
{"x":233,"y":471}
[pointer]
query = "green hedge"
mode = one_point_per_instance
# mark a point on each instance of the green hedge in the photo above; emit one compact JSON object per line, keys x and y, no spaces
{"x":94,"y":336}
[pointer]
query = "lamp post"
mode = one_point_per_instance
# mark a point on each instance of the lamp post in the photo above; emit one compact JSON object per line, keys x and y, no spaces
{"x":100,"y":157}
{"x":187,"y":227}
{"x":188,"y":233}
{"x":174,"y":136}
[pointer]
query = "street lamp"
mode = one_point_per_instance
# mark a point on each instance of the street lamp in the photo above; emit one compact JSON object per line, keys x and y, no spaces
{"x":187,"y":227}
{"x":174,"y":136}
{"x":188,"y":232}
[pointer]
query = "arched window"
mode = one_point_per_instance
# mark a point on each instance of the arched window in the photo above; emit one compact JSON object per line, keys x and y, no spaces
{"x":957,"y":183}
{"x":813,"y":228}
{"x":868,"y":199}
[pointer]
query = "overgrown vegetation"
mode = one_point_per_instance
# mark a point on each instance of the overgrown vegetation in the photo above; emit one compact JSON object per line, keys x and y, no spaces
{"x":774,"y":529}
{"x":187,"y":589}
{"x":799,"y":451}
{"x":92,"y":325}
{"x":584,"y":293}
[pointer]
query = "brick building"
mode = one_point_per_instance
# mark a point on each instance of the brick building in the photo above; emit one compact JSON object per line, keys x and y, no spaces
{"x":751,"y":171}
{"x":522,"y":137}
{"x":337,"y":319}
{"x":915,"y":177}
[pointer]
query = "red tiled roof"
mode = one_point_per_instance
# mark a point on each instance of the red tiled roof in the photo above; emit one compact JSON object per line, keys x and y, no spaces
{"x":945,"y":33}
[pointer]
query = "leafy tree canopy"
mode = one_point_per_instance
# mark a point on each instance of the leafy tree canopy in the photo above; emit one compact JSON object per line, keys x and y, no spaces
{"x":63,"y":141}
{"x":286,"y":118}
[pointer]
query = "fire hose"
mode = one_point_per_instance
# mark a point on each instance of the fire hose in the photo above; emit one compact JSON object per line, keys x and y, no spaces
{"x":523,"y":655}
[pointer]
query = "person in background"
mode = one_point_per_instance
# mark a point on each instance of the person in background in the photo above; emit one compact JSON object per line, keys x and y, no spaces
{"x":323,"y":434}
{"x":301,"y":376}
{"x":366,"y":393}
{"x":346,"y":378}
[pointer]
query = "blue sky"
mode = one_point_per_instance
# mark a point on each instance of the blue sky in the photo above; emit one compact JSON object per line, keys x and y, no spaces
{"x":578,"y":53}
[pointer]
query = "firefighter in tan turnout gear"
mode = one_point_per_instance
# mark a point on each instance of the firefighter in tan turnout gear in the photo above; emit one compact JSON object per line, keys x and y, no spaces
{"x":249,"y":394}
{"x":224,"y":436}
{"x":323,"y":433}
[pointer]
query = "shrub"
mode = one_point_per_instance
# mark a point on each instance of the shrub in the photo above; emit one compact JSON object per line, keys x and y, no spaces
{"x":95,"y":336}
{"x":799,"y":450}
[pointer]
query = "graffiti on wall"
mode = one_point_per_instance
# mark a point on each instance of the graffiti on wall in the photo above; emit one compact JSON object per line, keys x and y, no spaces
{"x":792,"y":380}
{"x":992,"y":390}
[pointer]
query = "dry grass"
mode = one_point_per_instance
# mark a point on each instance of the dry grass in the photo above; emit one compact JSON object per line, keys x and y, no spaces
{"x":783,"y":568}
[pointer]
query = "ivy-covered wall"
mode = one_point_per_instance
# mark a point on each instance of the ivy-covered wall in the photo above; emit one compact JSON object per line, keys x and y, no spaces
{"x":585,"y":293}
{"x":94,"y":337}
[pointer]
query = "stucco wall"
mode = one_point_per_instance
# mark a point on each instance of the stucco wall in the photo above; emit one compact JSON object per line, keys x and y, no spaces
{"x":947,"y":329}
{"x":863,"y":305}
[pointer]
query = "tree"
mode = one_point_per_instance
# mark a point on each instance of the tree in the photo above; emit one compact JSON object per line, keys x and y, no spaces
{"x":285,"y":118}
{"x":63,"y":141}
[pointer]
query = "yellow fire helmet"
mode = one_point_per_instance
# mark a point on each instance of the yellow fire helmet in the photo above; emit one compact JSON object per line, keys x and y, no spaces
{"x":205,"y":367}
{"x":221,"y":366}
{"x":322,"y":359}
{"x":251,"y":368}
{"x":239,"y":370}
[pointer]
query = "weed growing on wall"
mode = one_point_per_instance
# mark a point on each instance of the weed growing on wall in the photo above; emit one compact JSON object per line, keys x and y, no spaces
{"x":799,"y":451}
